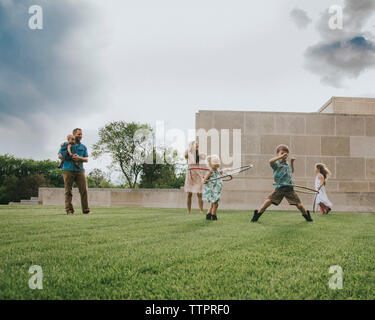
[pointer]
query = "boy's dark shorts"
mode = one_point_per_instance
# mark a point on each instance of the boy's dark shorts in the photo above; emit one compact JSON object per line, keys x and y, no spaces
{"x":288,"y":192}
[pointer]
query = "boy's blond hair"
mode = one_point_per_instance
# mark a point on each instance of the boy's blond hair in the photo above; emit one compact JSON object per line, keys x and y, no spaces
{"x":282,"y":147}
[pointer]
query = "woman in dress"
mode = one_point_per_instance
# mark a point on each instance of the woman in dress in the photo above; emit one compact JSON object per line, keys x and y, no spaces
{"x":194,"y":178}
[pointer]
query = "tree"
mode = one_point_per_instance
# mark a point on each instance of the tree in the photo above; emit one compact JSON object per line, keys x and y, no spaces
{"x":127,"y":143}
{"x":163,"y":172}
{"x":21,"y":178}
{"x":18,"y":188}
{"x":98,"y":179}
{"x":11,"y":166}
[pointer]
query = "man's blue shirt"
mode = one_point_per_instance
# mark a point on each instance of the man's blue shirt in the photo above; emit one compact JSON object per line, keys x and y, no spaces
{"x":282,"y":173}
{"x":68,"y":164}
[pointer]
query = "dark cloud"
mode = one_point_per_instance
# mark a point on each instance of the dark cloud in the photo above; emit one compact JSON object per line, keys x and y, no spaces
{"x":300,"y":18}
{"x":346,"y":53}
{"x":38,"y":70}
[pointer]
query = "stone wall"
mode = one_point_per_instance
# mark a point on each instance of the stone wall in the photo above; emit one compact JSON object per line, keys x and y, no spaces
{"x":231,"y":199}
{"x":345,"y":143}
{"x":102,"y":197}
{"x":345,"y":105}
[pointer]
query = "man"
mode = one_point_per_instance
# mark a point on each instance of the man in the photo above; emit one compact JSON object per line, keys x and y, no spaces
{"x":73,"y":174}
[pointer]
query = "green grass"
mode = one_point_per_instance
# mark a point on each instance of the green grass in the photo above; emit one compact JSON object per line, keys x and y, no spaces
{"x":145,"y":253}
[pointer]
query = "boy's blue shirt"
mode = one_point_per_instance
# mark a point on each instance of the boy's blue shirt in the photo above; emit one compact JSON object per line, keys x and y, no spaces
{"x":282,"y":173}
{"x":68,"y":164}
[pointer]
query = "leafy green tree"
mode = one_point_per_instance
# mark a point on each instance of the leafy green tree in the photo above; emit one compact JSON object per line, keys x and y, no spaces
{"x":98,"y":179}
{"x":164,"y":172}
{"x":127,"y":144}
{"x":18,"y":188}
{"x":21,"y":178}
{"x":8,"y":190}
{"x":11,"y":166}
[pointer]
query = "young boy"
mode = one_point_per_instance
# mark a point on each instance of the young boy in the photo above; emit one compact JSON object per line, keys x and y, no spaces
{"x":282,"y":174}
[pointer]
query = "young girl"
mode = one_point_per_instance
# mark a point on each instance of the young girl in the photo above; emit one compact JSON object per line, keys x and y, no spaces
{"x":212,"y":188}
{"x":322,"y":200}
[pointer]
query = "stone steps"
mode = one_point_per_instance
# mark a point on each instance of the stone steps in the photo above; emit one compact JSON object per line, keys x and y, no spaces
{"x":33,"y":201}
{"x":29,"y":202}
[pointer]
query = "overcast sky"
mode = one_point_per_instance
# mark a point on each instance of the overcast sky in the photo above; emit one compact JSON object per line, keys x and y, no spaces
{"x":147,"y":60}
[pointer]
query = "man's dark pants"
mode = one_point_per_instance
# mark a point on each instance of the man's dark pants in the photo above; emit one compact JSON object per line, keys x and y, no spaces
{"x":80,"y":179}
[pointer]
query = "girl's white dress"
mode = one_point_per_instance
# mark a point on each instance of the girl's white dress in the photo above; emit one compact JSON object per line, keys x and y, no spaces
{"x":321,"y":197}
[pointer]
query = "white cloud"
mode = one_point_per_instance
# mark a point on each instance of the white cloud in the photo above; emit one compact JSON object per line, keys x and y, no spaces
{"x":346,"y":53}
{"x":300,"y":18}
{"x":164,"y":60}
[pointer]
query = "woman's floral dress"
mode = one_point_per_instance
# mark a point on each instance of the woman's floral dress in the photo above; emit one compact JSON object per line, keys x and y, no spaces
{"x":212,"y":189}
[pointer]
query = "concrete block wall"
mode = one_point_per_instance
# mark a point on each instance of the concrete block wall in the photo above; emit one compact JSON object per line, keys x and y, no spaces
{"x":246,"y":199}
{"x":347,"y":105}
{"x":346,"y":143}
{"x":103,"y":197}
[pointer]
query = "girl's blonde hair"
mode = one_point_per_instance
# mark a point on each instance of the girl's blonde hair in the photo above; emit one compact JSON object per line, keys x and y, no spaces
{"x":323,"y":169}
{"x":213,"y":160}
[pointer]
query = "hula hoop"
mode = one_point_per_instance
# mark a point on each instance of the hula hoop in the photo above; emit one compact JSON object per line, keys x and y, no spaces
{"x":199,"y":168}
{"x":224,"y":178}
{"x":309,"y":190}
{"x":306,"y":192}
{"x":197,"y":171}
{"x":228,"y":174}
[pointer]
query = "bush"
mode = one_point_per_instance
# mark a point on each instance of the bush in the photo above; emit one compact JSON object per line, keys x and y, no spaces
{"x":21,"y":178}
{"x":163,"y":172}
{"x":98,"y":179}
{"x":11,"y":166}
{"x":16,"y":189}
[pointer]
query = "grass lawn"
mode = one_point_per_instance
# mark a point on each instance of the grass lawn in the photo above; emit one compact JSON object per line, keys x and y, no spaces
{"x":145,"y":253}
